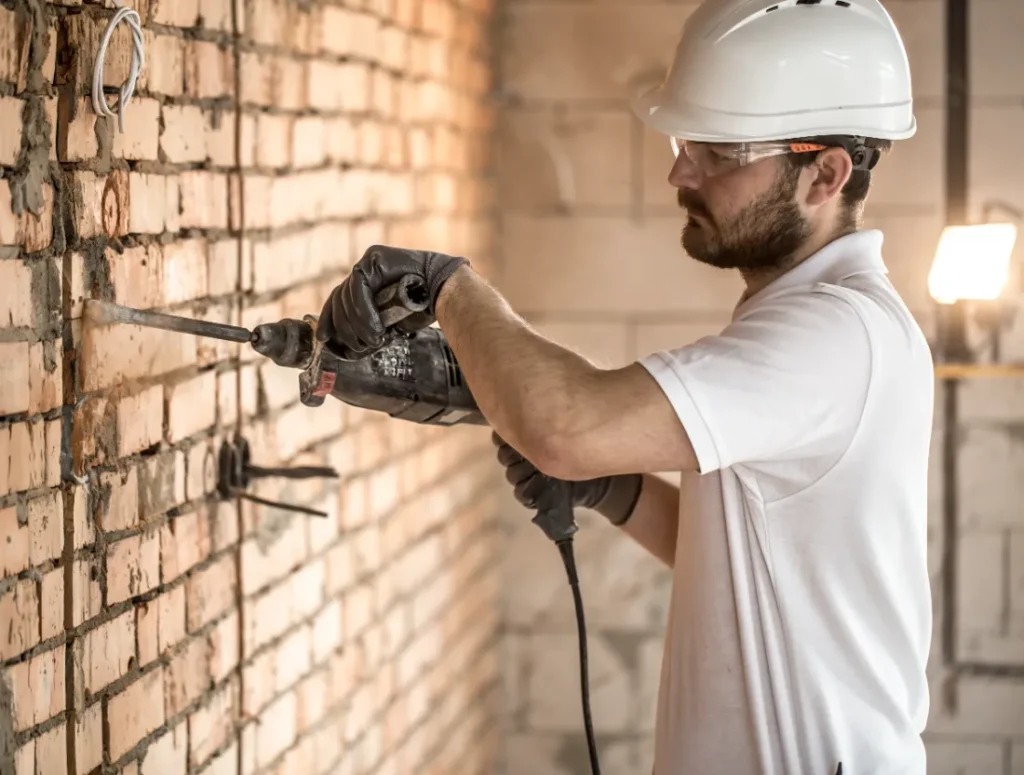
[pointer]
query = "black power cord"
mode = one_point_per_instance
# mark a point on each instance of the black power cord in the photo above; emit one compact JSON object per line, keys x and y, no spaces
{"x":565,"y":549}
{"x":555,"y":517}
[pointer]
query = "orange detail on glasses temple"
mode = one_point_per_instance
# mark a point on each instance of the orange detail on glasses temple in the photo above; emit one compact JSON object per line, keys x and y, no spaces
{"x":804,"y":147}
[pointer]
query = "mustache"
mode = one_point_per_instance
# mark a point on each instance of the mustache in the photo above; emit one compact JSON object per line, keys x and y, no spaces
{"x":688,"y":201}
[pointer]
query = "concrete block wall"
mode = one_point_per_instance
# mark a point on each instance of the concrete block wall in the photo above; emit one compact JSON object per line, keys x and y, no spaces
{"x":589,"y":242}
{"x":148,"y":626}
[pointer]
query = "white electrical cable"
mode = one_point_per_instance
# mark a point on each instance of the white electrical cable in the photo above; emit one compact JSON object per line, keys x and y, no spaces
{"x":99,"y":101}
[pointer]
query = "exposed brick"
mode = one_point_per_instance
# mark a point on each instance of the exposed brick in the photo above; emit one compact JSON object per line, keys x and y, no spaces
{"x":137,"y":276}
{"x":210,"y":592}
{"x":37,"y":686}
{"x":14,"y":377}
{"x":107,"y":653}
{"x":161,"y":484}
{"x":178,"y":13}
{"x":118,"y":508}
{"x":168,"y":754}
{"x":135,"y":712}
{"x":46,"y":527}
{"x":211,"y":724}
{"x":278,"y":733}
{"x":191,"y":407}
{"x":45,"y":377}
{"x":209,"y":70}
{"x":102,"y":204}
{"x":204,"y":197}
{"x":188,"y":676}
{"x":89,"y":738}
{"x":15,"y":539}
{"x":164,"y":72}
{"x":184,"y":542}
{"x":140,"y":420}
{"x":184,"y":134}
{"x":224,"y":648}
{"x":201,"y":469}
{"x":16,"y":305}
{"x":133,"y":566}
{"x":87,"y":597}
{"x":184,"y":271}
{"x":141,"y":137}
{"x":215,"y":14}
{"x":51,"y":603}
{"x":19,"y":604}
{"x":273,"y":140}
{"x":118,"y":353}
{"x":11,"y":110}
{"x":154,"y":203}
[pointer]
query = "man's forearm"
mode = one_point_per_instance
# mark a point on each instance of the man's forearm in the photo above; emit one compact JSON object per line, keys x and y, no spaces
{"x":655,"y":520}
{"x":523,"y":383}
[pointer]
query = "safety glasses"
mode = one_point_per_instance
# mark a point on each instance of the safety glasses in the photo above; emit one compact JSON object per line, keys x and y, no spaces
{"x":713,"y":159}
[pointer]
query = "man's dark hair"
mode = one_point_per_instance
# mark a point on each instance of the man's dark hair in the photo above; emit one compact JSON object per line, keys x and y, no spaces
{"x":856,"y":189}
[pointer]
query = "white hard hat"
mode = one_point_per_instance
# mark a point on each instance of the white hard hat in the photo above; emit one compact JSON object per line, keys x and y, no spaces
{"x":748,"y":70}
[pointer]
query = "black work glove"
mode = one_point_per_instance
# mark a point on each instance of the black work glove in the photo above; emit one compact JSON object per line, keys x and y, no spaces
{"x":350,"y":317}
{"x":613,"y":497}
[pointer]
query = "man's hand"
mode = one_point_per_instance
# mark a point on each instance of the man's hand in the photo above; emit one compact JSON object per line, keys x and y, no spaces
{"x":350,"y":317}
{"x":614,"y":497}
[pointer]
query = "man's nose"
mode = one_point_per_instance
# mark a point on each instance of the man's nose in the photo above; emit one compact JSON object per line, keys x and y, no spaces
{"x":684,"y":173}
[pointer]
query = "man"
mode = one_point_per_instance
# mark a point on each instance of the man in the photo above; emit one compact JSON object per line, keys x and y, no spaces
{"x":800,"y":621}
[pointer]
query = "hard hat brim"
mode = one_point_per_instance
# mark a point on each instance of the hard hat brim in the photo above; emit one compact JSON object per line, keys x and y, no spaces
{"x":687,"y":121}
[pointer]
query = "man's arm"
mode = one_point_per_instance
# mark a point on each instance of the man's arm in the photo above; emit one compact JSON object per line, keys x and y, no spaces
{"x":655,"y":521}
{"x":573,"y":420}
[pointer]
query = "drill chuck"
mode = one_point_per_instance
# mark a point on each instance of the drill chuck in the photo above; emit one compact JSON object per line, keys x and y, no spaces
{"x":287,"y":342}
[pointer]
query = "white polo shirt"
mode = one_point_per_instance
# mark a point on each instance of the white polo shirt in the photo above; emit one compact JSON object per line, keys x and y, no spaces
{"x":801,"y":620}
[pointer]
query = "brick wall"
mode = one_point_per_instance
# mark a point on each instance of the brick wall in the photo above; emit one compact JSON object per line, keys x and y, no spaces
{"x":148,"y":626}
{"x":590,"y":254}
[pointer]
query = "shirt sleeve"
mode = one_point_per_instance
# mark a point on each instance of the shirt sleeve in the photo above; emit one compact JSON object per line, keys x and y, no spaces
{"x":785,"y":381}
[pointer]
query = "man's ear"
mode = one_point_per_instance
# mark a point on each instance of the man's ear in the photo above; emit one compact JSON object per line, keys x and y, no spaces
{"x":830,"y":172}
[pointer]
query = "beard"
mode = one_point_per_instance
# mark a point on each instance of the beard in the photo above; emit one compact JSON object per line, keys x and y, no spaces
{"x":764,"y":235}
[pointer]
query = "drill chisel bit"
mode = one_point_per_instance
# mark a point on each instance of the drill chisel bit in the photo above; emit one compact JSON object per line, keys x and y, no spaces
{"x":106,"y":312}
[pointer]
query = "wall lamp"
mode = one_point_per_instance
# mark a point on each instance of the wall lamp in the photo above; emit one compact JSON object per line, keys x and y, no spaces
{"x":968,"y":281}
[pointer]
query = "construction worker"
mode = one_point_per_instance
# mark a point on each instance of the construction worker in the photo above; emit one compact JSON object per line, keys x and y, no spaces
{"x":800,"y":618}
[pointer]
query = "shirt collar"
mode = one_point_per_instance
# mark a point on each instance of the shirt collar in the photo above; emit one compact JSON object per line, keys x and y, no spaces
{"x":849,"y":255}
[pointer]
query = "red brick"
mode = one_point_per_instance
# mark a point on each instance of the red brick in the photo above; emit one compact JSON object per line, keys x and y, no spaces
{"x":358,"y":610}
{"x":258,"y":682}
{"x":325,"y":85}
{"x":14,"y":377}
{"x":16,"y":304}
{"x":188,"y":677}
{"x":257,"y":78}
{"x":161,"y":484}
{"x":210,"y":351}
{"x":150,"y":202}
{"x":9,"y":222}
{"x":45,"y":377}
{"x":184,"y":271}
{"x":341,"y":140}
{"x":136,"y":276}
{"x":210,"y":592}
{"x":27,"y":456}
{"x":277,"y":729}
{"x":37,"y":688}
{"x":209,"y":70}
{"x":210,"y":726}
{"x":289,"y":84}
{"x":200,"y":471}
{"x":355,"y":86}
{"x":171,"y":618}
{"x":327,"y":631}
{"x":176,"y":13}
{"x":89,"y":738}
{"x":222,"y":267}
{"x":15,"y":540}
{"x":119,"y":499}
{"x":120,"y":353}
{"x":133,"y":566}
{"x":183,"y":138}
{"x":11,"y":54}
{"x":87,"y":597}
{"x":84,"y":528}
{"x":102,"y":204}
{"x":215,"y":14}
{"x":19,"y":605}
{"x":51,"y":591}
{"x":106,"y":653}
{"x":224,"y":648}
{"x":53,"y":440}
{"x":219,"y":137}
{"x":141,"y":137}
{"x":191,"y":406}
{"x":204,"y":200}
{"x":11,"y":110}
{"x":273,"y":140}
{"x":168,"y":754}
{"x":46,"y":527}
{"x":140,"y":420}
{"x":293,"y":658}
{"x":135,"y":712}
{"x":164,"y":72}
{"x":265,"y":563}
{"x":266,"y":22}
{"x":147,"y":628}
{"x":52,"y":751}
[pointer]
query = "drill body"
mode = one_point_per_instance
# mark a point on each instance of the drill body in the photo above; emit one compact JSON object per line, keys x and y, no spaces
{"x":414,"y":377}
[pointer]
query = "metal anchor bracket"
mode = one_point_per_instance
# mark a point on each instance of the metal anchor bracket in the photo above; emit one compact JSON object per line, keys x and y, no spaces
{"x":235,"y":472}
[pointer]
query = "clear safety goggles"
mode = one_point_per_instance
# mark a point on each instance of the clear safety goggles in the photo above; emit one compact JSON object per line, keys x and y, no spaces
{"x":713,"y":159}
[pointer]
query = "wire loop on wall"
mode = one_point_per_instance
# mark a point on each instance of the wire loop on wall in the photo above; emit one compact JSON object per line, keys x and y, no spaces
{"x":99,"y":101}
